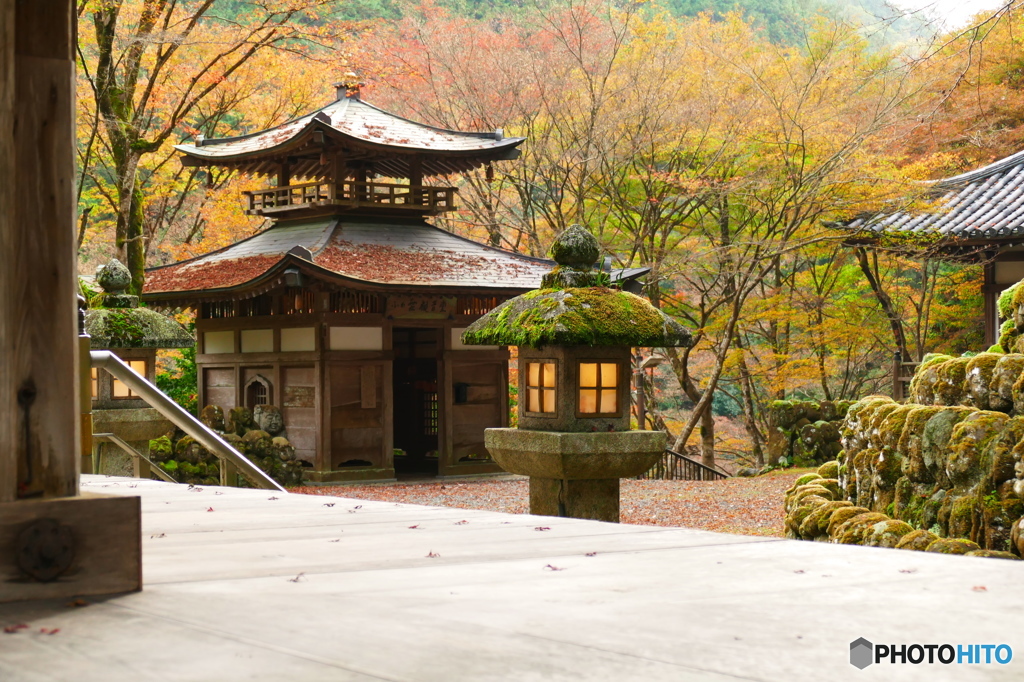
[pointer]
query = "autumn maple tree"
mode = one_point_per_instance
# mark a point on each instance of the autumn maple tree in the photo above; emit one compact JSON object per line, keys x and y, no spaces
{"x":157,"y":71}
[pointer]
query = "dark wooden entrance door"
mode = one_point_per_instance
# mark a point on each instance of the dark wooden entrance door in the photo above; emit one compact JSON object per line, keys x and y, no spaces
{"x":416,"y":411}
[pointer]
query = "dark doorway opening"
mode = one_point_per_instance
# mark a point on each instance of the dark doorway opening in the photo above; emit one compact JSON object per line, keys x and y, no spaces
{"x":417,"y":417}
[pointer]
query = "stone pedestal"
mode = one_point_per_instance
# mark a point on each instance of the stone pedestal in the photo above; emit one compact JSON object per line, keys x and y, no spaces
{"x":591,"y":498}
{"x":136,"y":426}
{"x":575,"y":475}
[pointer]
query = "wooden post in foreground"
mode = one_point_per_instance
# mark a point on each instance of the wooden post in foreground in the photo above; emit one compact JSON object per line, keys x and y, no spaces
{"x":53,"y":542}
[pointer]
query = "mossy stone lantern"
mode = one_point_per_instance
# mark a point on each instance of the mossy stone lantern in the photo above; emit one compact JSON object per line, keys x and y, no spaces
{"x":575,"y":337}
{"x":133,"y":334}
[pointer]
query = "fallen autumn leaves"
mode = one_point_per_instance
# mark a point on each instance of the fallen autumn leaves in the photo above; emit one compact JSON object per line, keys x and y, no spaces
{"x":746,"y":506}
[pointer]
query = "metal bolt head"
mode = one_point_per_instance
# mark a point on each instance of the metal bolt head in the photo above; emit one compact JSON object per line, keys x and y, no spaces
{"x":45,"y":550}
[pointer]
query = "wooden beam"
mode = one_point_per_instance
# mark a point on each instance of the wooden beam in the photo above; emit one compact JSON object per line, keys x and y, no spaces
{"x":104,"y":555}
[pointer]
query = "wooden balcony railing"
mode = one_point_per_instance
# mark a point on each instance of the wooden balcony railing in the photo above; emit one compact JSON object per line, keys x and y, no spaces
{"x":902,"y":375}
{"x":351,"y":194}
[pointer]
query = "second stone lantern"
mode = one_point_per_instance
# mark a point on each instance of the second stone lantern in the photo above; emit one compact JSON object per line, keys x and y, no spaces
{"x":575,"y":336}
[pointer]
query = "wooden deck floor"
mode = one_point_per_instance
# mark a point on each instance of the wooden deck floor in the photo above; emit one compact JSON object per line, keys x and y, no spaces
{"x":242,"y":586}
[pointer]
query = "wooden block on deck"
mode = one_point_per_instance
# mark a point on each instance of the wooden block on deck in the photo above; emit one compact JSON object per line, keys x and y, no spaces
{"x":106,"y":534}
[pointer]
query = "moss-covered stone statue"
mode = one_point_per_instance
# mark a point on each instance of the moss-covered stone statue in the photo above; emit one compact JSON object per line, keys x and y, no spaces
{"x":574,"y":337}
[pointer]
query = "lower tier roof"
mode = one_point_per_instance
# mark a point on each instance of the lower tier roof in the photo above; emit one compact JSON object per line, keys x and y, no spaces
{"x":378,"y":253}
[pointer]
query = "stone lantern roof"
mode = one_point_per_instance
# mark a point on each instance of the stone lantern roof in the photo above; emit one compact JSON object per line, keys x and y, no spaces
{"x":576,"y":307}
{"x":121,"y":323}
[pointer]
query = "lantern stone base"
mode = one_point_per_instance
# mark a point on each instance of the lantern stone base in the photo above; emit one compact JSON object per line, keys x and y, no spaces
{"x":575,"y":475}
{"x":590,"y":498}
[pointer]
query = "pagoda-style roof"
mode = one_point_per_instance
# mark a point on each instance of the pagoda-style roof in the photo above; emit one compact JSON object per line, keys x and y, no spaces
{"x":361,"y":133}
{"x":978,"y":207}
{"x":382,"y":254}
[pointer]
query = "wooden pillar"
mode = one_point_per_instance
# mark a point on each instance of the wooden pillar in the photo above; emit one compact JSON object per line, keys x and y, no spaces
{"x":416,"y":179}
{"x":445,"y":406}
{"x":8,"y":461}
{"x":337,"y":175}
{"x":361,"y":176}
{"x":990,"y":293}
{"x":98,"y":547}
{"x":38,"y":324}
{"x":323,"y":459}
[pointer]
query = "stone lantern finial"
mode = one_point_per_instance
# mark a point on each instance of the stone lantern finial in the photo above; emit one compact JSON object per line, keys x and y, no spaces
{"x":114,"y":278}
{"x":575,"y":250}
{"x":120,"y":322}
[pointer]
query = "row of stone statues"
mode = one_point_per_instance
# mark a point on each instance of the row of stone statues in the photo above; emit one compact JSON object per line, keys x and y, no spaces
{"x":258,"y":434}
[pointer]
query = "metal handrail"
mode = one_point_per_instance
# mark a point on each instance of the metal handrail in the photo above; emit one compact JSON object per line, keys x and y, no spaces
{"x":204,"y":435}
{"x":715,"y":472}
{"x":690,"y":469}
{"x":124,"y":445}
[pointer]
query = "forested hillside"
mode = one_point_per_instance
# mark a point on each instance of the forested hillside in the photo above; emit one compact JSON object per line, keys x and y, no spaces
{"x":783,"y":21}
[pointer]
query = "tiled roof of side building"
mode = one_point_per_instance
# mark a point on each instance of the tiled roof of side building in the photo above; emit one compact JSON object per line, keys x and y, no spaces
{"x":983,"y":204}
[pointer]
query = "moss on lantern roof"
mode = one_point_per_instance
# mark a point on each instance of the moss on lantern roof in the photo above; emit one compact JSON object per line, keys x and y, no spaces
{"x":134,"y":328}
{"x":590,"y":316}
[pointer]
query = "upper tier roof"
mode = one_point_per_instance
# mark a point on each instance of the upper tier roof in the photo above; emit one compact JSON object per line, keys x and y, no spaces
{"x":981,"y":205}
{"x":392,"y":254}
{"x":382,"y":138}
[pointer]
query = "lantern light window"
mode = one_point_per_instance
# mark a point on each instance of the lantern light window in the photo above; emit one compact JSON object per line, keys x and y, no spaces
{"x":598,"y":388}
{"x":540,"y":387}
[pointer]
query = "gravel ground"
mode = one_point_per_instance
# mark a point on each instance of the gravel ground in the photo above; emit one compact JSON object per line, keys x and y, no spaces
{"x":747,"y":506}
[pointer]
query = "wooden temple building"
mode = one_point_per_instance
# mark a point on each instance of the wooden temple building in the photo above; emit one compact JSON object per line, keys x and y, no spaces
{"x":978,"y":217}
{"x":347,"y":311}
